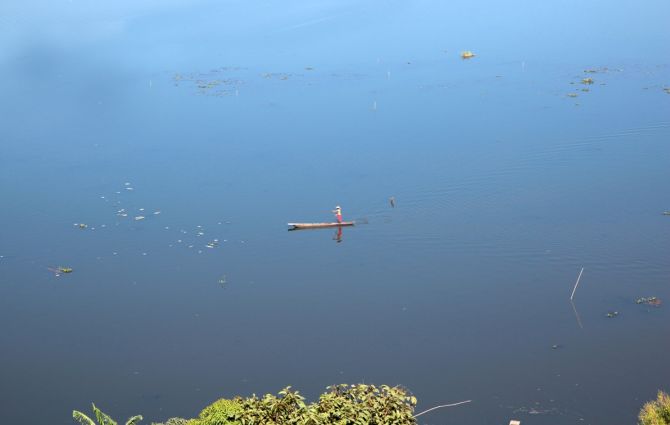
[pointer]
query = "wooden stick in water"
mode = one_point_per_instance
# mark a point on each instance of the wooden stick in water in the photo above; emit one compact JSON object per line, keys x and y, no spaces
{"x":575,"y":288}
{"x":444,"y":405}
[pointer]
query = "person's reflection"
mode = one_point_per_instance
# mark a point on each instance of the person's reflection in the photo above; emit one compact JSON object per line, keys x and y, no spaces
{"x":338,"y":235}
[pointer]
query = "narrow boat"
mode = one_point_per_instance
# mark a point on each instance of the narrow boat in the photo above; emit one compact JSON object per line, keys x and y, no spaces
{"x":298,"y":226}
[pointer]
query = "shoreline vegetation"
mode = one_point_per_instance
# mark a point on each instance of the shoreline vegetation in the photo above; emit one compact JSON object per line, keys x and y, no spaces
{"x":358,"y":404}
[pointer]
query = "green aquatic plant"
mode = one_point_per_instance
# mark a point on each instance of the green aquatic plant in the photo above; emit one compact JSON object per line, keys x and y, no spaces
{"x":102,"y":418}
{"x":366,"y":404}
{"x":173,"y":421}
{"x":340,"y":405}
{"x":288,"y":407}
{"x":359,"y":404}
{"x":221,"y":412}
{"x":656,"y":412}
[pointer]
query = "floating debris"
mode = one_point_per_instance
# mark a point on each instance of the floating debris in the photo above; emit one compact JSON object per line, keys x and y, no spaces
{"x":649,"y":301}
{"x":59,"y":270}
{"x":572,"y":95}
{"x":222,"y":280}
{"x":156,"y":212}
{"x":666,"y":212}
{"x":81,"y":225}
{"x":467,"y":55}
{"x":555,"y":347}
{"x":612,"y":314}
{"x":129,"y":188}
{"x":392,"y":201}
{"x":139,"y":217}
{"x":666,"y":89}
{"x":587,"y":80}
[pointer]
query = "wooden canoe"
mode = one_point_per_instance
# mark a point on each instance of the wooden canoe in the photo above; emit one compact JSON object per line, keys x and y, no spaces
{"x":297,"y":226}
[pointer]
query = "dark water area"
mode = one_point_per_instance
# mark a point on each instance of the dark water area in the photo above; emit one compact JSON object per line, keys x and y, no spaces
{"x":219,"y":122}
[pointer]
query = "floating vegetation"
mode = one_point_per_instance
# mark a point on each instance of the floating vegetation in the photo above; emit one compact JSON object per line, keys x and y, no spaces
{"x":467,"y":54}
{"x":585,"y":89}
{"x":60,"y":270}
{"x":654,"y":301}
{"x":280,"y":75}
{"x":612,"y":314}
{"x":587,"y":80}
{"x":211,"y":83}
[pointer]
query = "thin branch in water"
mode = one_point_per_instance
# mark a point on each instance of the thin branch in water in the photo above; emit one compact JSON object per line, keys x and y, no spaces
{"x":443,"y":405}
{"x":579,"y":321}
{"x":575,"y":288}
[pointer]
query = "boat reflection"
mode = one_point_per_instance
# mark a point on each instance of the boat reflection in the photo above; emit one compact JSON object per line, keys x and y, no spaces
{"x":337,"y":236}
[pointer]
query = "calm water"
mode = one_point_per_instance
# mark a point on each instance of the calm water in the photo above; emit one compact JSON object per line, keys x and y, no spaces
{"x":233,"y":118}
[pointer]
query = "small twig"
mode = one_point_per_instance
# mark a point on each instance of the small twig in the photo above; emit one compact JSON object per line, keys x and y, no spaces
{"x":444,"y":405}
{"x":575,"y":288}
{"x":579,"y":321}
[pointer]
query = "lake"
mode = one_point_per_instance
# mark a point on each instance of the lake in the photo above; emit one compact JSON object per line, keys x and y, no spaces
{"x":160,"y":148}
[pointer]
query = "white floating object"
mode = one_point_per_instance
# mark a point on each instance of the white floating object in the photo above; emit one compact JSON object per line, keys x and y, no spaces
{"x":513,"y":422}
{"x":129,"y":188}
{"x":127,"y":184}
{"x":139,"y":217}
{"x":156,"y":212}
{"x":141,"y":209}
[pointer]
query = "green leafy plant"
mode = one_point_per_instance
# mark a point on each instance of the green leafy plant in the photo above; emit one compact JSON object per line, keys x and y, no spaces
{"x":102,"y":418}
{"x":342,"y":405}
{"x":656,"y":412}
{"x":359,"y":404}
{"x":221,"y":412}
{"x":366,"y":404}
{"x":287,"y":408}
{"x":173,"y":421}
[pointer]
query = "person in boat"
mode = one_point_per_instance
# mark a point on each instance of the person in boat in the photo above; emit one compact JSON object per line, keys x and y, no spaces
{"x":338,"y":213}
